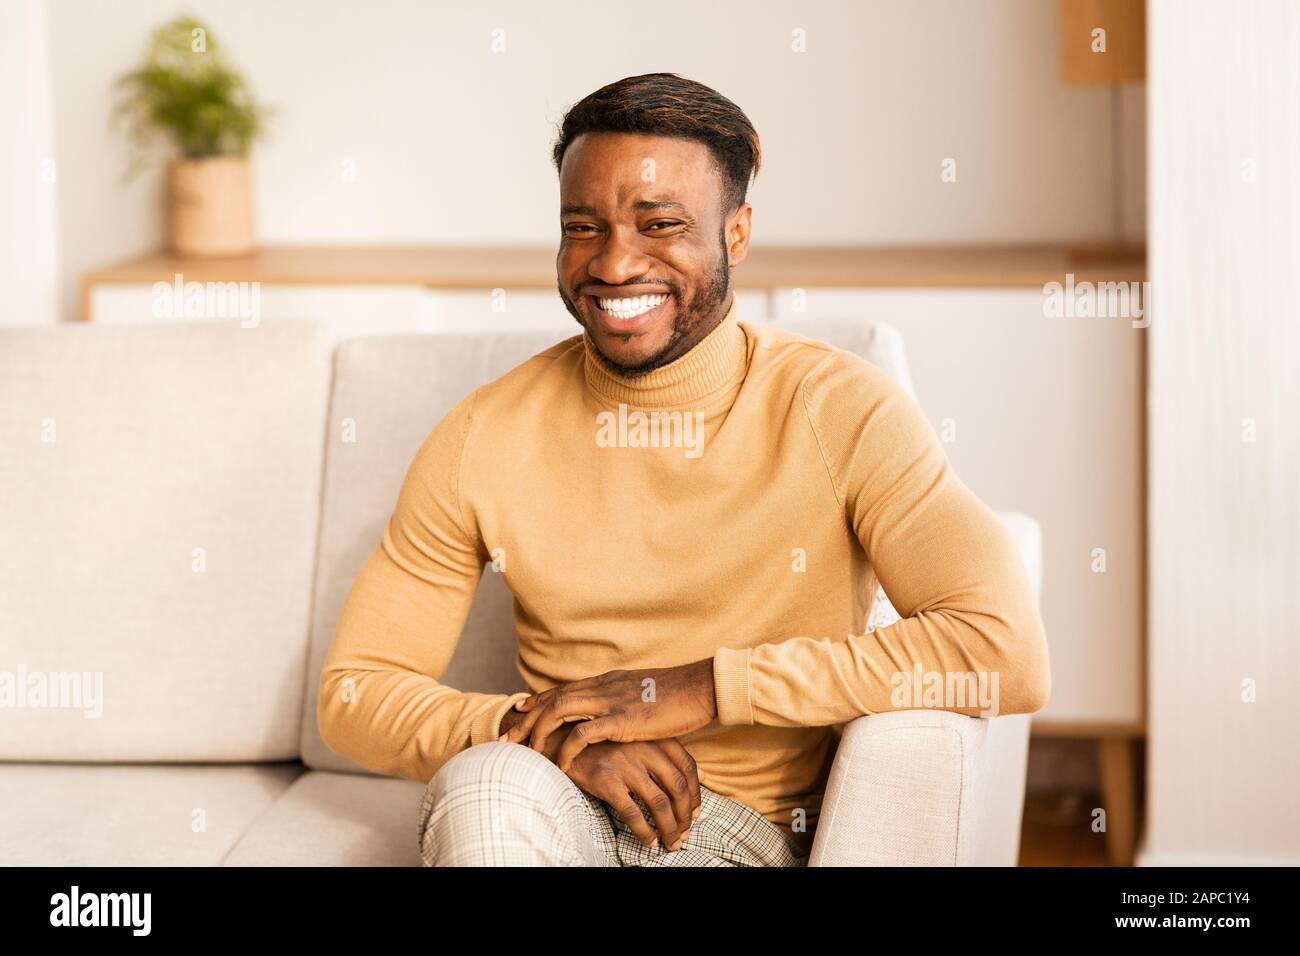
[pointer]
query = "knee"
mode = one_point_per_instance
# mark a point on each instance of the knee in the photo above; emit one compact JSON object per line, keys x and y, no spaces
{"x":493,"y":764}
{"x":487,"y":795}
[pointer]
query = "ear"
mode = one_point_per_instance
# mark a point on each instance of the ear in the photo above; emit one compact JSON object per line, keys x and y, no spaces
{"x":737,"y":234}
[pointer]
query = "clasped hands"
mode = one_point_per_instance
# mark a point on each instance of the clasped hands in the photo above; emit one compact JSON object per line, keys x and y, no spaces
{"x":616,"y":736}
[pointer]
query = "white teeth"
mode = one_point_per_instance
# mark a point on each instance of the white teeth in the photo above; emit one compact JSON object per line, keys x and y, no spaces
{"x":630,"y":308}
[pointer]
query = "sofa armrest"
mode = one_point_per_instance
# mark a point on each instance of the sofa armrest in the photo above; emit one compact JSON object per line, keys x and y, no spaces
{"x":931,"y":787}
{"x":925,"y":788}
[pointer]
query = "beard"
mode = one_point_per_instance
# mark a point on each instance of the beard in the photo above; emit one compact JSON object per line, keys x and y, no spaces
{"x":687,"y":317}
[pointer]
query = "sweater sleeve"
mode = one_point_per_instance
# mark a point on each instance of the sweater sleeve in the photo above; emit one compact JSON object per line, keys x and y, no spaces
{"x":381,"y":703}
{"x":949,"y":567}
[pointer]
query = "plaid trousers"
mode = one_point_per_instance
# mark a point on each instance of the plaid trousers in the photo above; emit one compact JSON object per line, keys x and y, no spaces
{"x":504,"y":804}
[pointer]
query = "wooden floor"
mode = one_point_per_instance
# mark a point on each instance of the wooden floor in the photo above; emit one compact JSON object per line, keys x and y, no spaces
{"x":1057,"y":830}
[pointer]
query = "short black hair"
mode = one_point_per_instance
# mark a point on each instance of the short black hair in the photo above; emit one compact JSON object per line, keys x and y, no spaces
{"x":665,"y":104}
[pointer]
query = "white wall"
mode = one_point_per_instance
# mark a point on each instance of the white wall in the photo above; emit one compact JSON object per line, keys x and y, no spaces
{"x":1224,"y":518}
{"x":450,"y":141}
{"x":29,"y":176}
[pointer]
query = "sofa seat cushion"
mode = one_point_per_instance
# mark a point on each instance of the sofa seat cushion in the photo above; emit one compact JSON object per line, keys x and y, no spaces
{"x":132,"y":815}
{"x":328,"y":818}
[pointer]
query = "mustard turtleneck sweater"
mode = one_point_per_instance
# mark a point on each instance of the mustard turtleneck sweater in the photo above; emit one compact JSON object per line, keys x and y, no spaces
{"x":740,"y":503}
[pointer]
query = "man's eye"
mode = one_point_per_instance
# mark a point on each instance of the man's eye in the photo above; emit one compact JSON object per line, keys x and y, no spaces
{"x":578,"y":226}
{"x":667,"y":223}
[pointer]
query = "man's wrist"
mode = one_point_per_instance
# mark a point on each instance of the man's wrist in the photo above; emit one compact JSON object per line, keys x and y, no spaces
{"x":702,"y":675}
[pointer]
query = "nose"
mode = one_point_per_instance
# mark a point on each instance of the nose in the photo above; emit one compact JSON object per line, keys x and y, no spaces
{"x":619,"y":259}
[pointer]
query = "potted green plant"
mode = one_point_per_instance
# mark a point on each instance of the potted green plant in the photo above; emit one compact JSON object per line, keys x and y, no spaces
{"x":187,"y":92}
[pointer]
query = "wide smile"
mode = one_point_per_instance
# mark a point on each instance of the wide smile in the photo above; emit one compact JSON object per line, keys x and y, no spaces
{"x":623,"y":314}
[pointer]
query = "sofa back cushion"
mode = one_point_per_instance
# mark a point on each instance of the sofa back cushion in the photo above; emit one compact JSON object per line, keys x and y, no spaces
{"x":159,"y":496}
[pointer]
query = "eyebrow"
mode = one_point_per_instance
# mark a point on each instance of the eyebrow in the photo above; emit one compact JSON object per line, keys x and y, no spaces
{"x":577,"y":209}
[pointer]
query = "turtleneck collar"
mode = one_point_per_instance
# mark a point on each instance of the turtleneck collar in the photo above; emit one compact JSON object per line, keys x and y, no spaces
{"x":716,"y":360}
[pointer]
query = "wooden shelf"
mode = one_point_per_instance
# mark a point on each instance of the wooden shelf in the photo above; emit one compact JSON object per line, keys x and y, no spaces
{"x":1084,"y":729}
{"x":514,"y":267}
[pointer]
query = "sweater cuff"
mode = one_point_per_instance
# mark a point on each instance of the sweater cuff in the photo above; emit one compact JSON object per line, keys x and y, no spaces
{"x":487,"y":725}
{"x":731,"y":685}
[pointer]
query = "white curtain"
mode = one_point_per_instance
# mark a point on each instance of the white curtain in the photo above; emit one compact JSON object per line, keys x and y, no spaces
{"x":1224,"y":432}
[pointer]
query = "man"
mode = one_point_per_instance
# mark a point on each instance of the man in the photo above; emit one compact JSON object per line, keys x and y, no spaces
{"x":693,"y":514}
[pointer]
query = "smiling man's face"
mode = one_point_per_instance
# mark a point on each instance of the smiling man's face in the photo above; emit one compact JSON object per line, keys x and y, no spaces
{"x":645,"y":267}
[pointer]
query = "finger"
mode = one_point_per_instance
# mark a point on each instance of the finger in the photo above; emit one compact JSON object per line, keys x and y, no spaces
{"x":591,"y":731}
{"x":660,"y":806}
{"x":560,"y":710}
{"x":684,"y":762}
{"x":587,"y":682}
{"x":520,"y":731}
{"x":541,"y":737}
{"x":672,"y":781}
{"x":616,"y":793}
{"x":533,"y":700}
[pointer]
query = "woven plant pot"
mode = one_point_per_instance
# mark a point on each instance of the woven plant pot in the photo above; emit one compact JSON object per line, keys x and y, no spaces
{"x":210,"y":207}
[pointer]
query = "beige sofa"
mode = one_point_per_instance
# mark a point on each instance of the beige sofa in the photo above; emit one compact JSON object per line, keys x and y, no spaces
{"x":182,"y":509}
